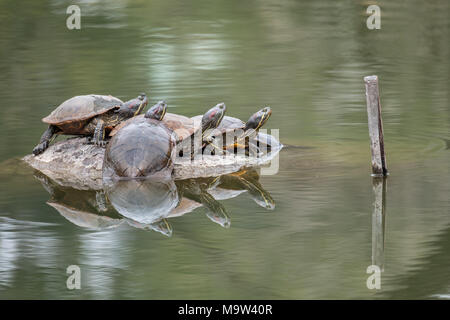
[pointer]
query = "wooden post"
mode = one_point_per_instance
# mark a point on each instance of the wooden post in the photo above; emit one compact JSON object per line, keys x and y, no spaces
{"x":379,"y":168}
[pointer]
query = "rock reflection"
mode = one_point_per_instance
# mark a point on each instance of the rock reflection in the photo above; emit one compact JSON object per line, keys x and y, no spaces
{"x":84,"y":208}
{"x":149,"y":205}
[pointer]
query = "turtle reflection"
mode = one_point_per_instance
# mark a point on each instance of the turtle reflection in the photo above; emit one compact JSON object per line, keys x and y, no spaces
{"x":144,"y":201}
{"x":207,"y":192}
{"x":150,"y":205}
{"x":197,"y":191}
{"x":84,"y":208}
{"x":162,"y":226}
{"x":247,"y":180}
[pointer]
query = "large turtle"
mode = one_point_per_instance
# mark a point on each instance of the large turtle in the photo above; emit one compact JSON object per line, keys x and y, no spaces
{"x":145,"y":146}
{"x":236,"y":131}
{"x":91,"y":115}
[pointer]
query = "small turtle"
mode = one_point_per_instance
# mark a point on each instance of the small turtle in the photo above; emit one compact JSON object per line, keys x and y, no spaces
{"x":144,"y":146}
{"x":89,"y":115}
{"x":237,"y":130}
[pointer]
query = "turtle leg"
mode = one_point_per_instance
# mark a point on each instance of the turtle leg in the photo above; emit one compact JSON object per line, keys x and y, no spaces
{"x":45,"y":140}
{"x":209,"y":147}
{"x":211,"y":142}
{"x":99,"y":134}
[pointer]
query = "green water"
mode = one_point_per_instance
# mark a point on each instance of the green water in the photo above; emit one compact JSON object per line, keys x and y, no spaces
{"x":306,"y":59}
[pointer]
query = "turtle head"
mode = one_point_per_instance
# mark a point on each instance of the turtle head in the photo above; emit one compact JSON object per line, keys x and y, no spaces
{"x":134,"y":106}
{"x":258,"y":119}
{"x":212,"y":118}
{"x":158,"y":111}
{"x":141,"y":103}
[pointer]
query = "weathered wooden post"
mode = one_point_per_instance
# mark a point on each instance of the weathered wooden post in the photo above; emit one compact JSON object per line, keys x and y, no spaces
{"x":379,"y":168}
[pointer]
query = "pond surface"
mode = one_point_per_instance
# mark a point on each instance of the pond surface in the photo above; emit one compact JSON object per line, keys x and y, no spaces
{"x":304,"y":59}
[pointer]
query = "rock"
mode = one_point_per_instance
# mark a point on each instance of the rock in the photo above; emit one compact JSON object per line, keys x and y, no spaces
{"x":75,"y":163}
{"x":71,"y":162}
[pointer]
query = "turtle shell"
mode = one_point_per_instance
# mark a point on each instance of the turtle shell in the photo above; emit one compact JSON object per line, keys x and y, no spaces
{"x":182,"y":126}
{"x":81,"y":108}
{"x":143,"y":147}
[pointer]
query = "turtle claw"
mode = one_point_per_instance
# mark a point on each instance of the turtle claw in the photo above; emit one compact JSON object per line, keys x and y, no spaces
{"x":101,"y":143}
{"x":40,"y":148}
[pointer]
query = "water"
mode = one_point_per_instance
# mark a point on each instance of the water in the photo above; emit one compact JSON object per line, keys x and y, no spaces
{"x":304,"y":59}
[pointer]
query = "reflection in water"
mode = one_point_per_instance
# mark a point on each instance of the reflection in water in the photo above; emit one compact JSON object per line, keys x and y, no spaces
{"x":378,"y":222}
{"x":162,"y":226}
{"x":197,"y":190}
{"x":144,"y":201}
{"x":147,"y":204}
{"x":84,"y":208}
{"x":248,"y":180}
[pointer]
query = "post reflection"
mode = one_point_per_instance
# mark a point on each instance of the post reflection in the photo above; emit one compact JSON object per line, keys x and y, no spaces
{"x":379,"y":221}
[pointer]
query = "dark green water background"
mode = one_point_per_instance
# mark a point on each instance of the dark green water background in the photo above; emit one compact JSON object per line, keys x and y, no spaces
{"x":306,"y":59}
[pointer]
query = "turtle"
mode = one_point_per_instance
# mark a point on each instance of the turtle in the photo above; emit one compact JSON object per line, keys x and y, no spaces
{"x":141,"y":147}
{"x":145,"y":145}
{"x":90,"y":115}
{"x":236,"y":130}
